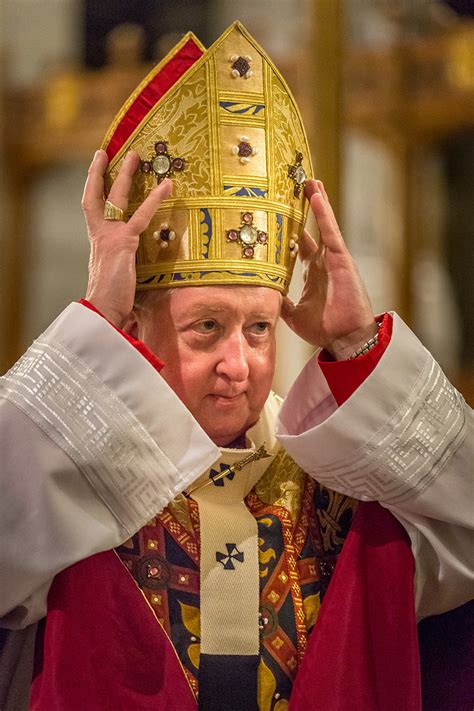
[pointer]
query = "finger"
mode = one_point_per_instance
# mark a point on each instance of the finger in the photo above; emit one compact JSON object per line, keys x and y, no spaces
{"x":311,"y":187}
{"x":327,"y":224}
{"x":287,"y":309}
{"x":316,"y":187}
{"x":143,"y":215}
{"x":322,"y":189}
{"x":93,"y":196}
{"x":120,"y":190}
{"x":307,"y":246}
{"x":323,"y":192}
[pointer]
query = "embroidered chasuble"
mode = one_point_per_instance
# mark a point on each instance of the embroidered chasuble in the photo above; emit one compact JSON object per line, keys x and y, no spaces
{"x":235,"y":573}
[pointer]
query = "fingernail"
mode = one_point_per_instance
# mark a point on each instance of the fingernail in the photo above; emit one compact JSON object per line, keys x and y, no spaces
{"x":311,"y":184}
{"x":97,"y":154}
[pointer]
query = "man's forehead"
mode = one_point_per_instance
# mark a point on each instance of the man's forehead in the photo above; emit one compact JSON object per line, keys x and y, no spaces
{"x":217,"y":299}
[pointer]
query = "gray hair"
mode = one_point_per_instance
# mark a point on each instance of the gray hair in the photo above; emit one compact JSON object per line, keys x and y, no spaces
{"x":145,"y":301}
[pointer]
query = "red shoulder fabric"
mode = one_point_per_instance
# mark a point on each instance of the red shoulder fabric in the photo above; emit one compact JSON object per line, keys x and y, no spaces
{"x":345,"y":376}
{"x":103,"y":648}
{"x":141,"y":347}
{"x":363,"y":653}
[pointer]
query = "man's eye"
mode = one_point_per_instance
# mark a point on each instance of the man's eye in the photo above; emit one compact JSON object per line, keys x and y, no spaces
{"x":260,"y":327}
{"x":206,"y":326}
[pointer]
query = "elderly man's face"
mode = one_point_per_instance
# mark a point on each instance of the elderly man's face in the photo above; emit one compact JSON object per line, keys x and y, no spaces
{"x":218,"y":345}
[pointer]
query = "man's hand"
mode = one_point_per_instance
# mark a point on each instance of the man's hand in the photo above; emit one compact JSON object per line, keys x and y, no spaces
{"x":334,"y":311}
{"x":111,"y":287}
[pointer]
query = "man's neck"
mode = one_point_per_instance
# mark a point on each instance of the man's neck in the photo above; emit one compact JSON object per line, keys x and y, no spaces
{"x":239,"y":443}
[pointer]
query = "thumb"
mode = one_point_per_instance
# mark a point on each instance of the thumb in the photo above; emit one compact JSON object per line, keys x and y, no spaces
{"x":287,"y":310}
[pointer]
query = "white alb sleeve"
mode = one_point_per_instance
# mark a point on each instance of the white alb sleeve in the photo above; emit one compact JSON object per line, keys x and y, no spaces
{"x":93,"y":444}
{"x":404,"y":438}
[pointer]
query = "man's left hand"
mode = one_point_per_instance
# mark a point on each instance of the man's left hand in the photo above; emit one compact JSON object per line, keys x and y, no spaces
{"x":334,"y":311}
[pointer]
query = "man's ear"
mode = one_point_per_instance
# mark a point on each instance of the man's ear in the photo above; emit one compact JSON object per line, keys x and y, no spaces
{"x":131,"y":325}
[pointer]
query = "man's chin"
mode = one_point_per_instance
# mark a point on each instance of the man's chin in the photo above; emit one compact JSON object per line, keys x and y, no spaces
{"x":231,"y":436}
{"x":228,"y":438}
{"x":228,"y":423}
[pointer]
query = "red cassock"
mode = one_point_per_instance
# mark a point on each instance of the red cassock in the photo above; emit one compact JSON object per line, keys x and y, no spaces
{"x":103,"y":649}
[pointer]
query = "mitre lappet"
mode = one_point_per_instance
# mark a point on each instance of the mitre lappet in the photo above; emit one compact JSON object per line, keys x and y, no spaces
{"x":224,"y":126}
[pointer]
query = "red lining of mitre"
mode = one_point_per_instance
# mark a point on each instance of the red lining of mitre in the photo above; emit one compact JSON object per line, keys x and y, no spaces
{"x":158,"y":85}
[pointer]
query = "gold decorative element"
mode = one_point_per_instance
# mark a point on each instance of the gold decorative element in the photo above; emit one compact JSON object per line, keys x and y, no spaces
{"x":282,"y":484}
{"x":297,"y":174}
{"x":329,"y":517}
{"x":265,"y":556}
{"x":113,"y":212}
{"x":311,"y":605}
{"x":273,"y":596}
{"x":247,"y":235}
{"x":266,"y":686}
{"x":233,"y":126}
{"x":191,"y":620}
{"x":165,"y":235}
{"x":244,"y":150}
{"x":260,"y":453}
{"x":162,"y":164}
{"x":241,"y":66}
{"x":293,"y":245}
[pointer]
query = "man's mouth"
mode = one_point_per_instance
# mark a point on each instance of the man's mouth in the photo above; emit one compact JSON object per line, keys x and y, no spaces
{"x":219,"y":397}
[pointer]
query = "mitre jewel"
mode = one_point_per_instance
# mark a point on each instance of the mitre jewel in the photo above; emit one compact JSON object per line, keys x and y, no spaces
{"x":223,"y":125}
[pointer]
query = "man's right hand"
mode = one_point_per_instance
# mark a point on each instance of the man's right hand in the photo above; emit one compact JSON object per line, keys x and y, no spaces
{"x":112,"y":275}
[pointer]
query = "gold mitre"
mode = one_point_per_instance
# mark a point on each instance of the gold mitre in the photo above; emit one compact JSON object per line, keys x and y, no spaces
{"x":224,"y":126}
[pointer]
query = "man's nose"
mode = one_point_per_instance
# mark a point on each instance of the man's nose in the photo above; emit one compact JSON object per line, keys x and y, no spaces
{"x":233,"y":358}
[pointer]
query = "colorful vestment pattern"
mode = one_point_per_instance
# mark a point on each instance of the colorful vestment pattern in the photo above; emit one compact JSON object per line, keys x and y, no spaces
{"x":302,"y":527}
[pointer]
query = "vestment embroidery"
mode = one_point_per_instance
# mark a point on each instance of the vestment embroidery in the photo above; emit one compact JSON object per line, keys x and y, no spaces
{"x":232,"y":556}
{"x":86,"y":419}
{"x":410,"y":450}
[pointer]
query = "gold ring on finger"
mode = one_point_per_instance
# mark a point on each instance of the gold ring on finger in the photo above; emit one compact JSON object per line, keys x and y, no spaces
{"x":112,"y":212}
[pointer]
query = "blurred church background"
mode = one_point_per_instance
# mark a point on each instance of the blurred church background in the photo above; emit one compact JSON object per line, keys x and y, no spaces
{"x":387,"y":93}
